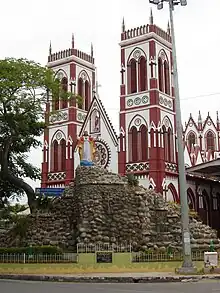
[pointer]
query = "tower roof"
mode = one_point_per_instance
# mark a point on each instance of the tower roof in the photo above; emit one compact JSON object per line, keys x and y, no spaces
{"x":70,"y":52}
{"x":144,"y":30}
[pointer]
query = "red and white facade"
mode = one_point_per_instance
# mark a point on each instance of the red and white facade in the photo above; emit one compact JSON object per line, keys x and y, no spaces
{"x":76,"y":70}
{"x":146,"y":144}
{"x":202,"y":140}
{"x":147,"y":109}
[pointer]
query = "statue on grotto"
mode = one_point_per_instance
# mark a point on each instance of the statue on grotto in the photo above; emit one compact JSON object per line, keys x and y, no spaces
{"x":86,"y":148}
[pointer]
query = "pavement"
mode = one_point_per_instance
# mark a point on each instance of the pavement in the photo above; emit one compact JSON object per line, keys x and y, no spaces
{"x":48,"y":287}
{"x":113,"y":278}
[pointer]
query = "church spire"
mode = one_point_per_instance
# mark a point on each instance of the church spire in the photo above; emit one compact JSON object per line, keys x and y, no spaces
{"x":123,"y":25}
{"x":50,"y":49}
{"x":151,"y":18}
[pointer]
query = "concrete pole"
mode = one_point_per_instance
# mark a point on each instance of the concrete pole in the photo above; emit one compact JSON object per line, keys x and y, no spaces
{"x":187,"y":265}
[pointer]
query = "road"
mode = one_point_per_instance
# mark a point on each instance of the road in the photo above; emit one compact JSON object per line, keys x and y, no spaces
{"x":45,"y":287}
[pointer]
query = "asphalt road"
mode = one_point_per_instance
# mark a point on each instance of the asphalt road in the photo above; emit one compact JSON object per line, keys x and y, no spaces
{"x":45,"y":287}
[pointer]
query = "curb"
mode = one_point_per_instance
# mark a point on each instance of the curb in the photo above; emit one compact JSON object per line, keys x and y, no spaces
{"x":95,"y":279}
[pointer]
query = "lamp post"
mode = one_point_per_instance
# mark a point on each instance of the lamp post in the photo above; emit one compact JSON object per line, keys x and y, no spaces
{"x":187,"y":266}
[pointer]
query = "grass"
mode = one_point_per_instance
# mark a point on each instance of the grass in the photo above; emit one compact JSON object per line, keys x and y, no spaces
{"x":89,"y":269}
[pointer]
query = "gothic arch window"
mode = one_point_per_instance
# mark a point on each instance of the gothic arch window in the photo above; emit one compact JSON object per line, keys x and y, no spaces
{"x":133,"y":76}
{"x":166,"y":77}
{"x":87,"y":95}
{"x":133,"y":142}
{"x":80,"y":90}
{"x":210,"y":141}
{"x":165,"y":142}
{"x":144,"y":143}
{"x":142,"y":64}
{"x":56,"y":105}
{"x":55,"y":156}
{"x":64,"y":86}
{"x":160,"y":74}
{"x":63,"y":154}
{"x":191,"y":140}
{"x":191,"y":199}
{"x":169,"y":145}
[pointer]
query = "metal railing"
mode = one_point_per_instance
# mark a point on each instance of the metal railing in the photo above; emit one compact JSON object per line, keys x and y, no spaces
{"x":39,"y":258}
{"x":164,"y":257}
{"x":82,"y":248}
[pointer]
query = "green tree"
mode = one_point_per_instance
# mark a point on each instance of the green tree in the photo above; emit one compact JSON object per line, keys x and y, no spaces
{"x":24,"y":88}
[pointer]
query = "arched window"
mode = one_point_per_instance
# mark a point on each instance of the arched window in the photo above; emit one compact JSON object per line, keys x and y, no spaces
{"x":56,"y":100}
{"x":133,"y":75}
{"x":144,"y":143}
{"x":167,"y":78}
{"x":55,"y":156}
{"x":169,"y":145}
{"x":143,"y":73}
{"x":160,"y":74}
{"x":210,"y":141}
{"x":63,"y":154}
{"x":64,"y":85}
{"x":133,"y":142}
{"x":165,"y":142}
{"x":87,"y":95}
{"x":191,"y":140}
{"x":80,"y":91}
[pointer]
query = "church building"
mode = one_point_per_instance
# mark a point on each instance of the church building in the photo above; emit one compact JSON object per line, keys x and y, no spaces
{"x":145,"y":144}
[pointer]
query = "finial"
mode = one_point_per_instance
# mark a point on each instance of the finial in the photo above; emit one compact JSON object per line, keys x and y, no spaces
{"x":208,"y":114}
{"x":123,"y":25}
{"x":72,"y":40}
{"x":199,"y":117}
{"x":151,"y":19}
{"x":50,"y":49}
{"x":168,"y":27}
{"x":91,"y":49}
{"x":217,"y":117}
{"x":190,"y":115}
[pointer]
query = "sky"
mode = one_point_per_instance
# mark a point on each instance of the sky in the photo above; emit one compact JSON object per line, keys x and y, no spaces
{"x":26,"y":28}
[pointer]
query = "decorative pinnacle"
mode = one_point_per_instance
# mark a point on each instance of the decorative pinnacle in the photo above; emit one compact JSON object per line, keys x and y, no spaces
{"x":217,"y":117}
{"x":73,"y":40}
{"x":199,"y":118}
{"x":168,"y":27}
{"x":123,"y":25}
{"x":91,"y":49}
{"x":151,"y":19}
{"x":50,"y":49}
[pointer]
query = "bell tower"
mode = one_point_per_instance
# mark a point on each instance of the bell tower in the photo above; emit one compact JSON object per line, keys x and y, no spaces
{"x":76,"y":71}
{"x":147,"y":109}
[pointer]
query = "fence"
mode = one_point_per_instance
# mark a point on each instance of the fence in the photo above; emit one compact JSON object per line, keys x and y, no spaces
{"x":91,"y":254}
{"x":164,"y":257}
{"x":81,"y":248}
{"x":39,"y":258}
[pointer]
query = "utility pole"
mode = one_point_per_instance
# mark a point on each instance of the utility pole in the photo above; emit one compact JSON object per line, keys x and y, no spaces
{"x":187,"y":266}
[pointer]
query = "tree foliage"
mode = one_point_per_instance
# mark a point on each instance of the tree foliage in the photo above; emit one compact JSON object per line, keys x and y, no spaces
{"x":24,"y":87}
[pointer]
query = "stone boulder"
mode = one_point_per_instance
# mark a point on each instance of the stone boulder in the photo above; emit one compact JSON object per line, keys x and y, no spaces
{"x":101,"y":208}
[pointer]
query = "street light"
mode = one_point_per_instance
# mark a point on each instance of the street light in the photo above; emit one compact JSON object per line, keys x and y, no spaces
{"x":187,"y":265}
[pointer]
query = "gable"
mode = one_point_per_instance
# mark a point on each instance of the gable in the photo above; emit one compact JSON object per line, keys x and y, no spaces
{"x":97,"y":121}
{"x":187,"y":159}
